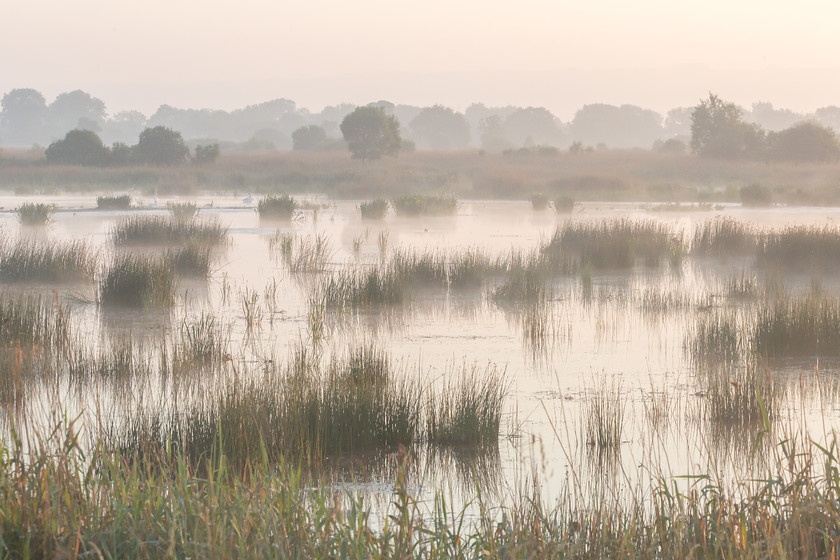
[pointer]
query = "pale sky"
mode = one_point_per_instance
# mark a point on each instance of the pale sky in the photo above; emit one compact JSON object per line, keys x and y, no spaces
{"x":226,"y":54}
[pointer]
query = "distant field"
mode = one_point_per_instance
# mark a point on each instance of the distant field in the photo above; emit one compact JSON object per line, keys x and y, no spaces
{"x":617,"y":175}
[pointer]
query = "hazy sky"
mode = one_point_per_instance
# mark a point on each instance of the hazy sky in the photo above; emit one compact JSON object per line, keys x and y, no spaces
{"x":557,"y":54}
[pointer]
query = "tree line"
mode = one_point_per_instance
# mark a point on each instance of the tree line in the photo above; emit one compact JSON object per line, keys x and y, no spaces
{"x":77,"y":127}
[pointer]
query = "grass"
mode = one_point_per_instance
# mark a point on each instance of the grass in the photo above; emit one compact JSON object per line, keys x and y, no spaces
{"x":277,"y":207}
{"x":808,"y":326}
{"x":193,"y":260}
{"x":603,"y":418}
{"x":717,"y":337}
{"x":116,"y":202}
{"x":349,"y":289}
{"x":375,"y":209}
{"x":162,"y":231}
{"x":51,"y":261}
{"x":182,"y":210}
{"x":35,"y":213}
{"x":413,"y":205}
{"x":138,"y":281}
{"x":526,"y":279}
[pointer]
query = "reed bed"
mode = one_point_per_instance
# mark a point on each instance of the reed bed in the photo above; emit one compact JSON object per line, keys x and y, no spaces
{"x":35,"y":213}
{"x":717,"y":337}
{"x":425,"y":205}
{"x":612,"y":244}
{"x":163,"y":230}
{"x":468,"y":412}
{"x":603,"y":418}
{"x":277,"y":207}
{"x":30,"y":322}
{"x":808,"y":326}
{"x":138,"y":281}
{"x":724,"y":237}
{"x":350,"y":289}
{"x":800,"y":248}
{"x":193,"y":260}
{"x":28,"y":260}
{"x":116,"y":202}
{"x":375,"y":209}
{"x":526,"y":279}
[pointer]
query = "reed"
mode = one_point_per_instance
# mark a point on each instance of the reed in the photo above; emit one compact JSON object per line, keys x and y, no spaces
{"x":564,"y":205}
{"x":35,"y":213}
{"x":539,"y":201}
{"x":468,"y":412}
{"x":808,"y":326}
{"x":277,"y":207}
{"x":138,"y":281}
{"x":413,"y":205}
{"x":800,"y":248}
{"x":193,"y":260}
{"x":309,"y":254}
{"x":163,"y":231}
{"x":724,"y":237}
{"x":182,"y":211}
{"x":28,"y":260}
{"x":117,"y":202}
{"x":375,"y":209}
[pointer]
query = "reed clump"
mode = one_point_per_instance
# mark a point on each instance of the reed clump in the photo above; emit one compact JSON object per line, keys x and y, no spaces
{"x":603,"y":418}
{"x":35,"y":213}
{"x":138,"y":281}
{"x":350,"y":289}
{"x":527,"y":279}
{"x":193,"y":260}
{"x":612,"y":244}
{"x":28,"y":260}
{"x":308,"y":254}
{"x":807,"y":326}
{"x":468,"y":412}
{"x":277,"y":207}
{"x":375,"y":209}
{"x":564,"y":204}
{"x":717,"y":337}
{"x":425,"y":205}
{"x":800,"y":248}
{"x":163,"y":230}
{"x":117,"y":202}
{"x":539,"y":201}
{"x":724,"y":237}
{"x":182,"y":210}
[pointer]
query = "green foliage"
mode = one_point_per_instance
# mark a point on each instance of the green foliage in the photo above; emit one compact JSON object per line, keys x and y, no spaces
{"x":160,"y":146}
{"x":206,"y":154}
{"x":35,"y":213}
{"x":274,"y":207}
{"x":371,"y":133}
{"x":79,"y":147}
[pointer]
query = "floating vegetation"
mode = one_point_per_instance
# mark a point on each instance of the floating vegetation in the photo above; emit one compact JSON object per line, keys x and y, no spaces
{"x":118,"y":202}
{"x":138,"y":281}
{"x":163,"y":230}
{"x":375,"y":209}
{"x":426,"y":205}
{"x":28,"y":260}
{"x":35,"y":213}
{"x":277,"y":207}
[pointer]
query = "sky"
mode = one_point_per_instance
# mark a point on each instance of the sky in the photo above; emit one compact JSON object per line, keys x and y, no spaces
{"x":224,"y":54}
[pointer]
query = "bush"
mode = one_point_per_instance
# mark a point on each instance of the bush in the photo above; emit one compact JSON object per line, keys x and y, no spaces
{"x":755,"y":195}
{"x":206,"y":154}
{"x":79,"y":147}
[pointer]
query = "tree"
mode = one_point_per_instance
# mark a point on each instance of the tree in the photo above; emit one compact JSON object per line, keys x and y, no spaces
{"x":161,"y":146}
{"x":491,"y":133}
{"x":536,"y":124}
{"x":79,"y":147}
{"x":76,"y":109}
{"x":626,"y":126}
{"x":440,"y":128}
{"x":310,"y":137}
{"x":23,"y":117}
{"x":206,"y":154}
{"x":718,"y":130}
{"x":371,"y":133}
{"x":807,"y":141}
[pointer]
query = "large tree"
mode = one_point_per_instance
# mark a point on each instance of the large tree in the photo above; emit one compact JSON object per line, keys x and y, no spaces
{"x":76,"y":109}
{"x":371,"y":133}
{"x":79,"y":147}
{"x":807,"y":141}
{"x":718,"y":130}
{"x":23,"y":117}
{"x":161,"y":146}
{"x":440,"y":128}
{"x":309,"y":138}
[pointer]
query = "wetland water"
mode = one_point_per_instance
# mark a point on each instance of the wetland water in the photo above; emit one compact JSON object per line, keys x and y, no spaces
{"x":622,"y":334}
